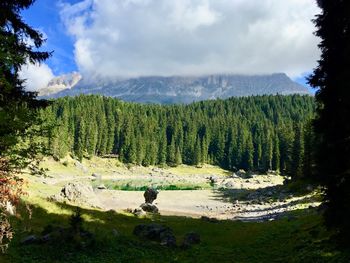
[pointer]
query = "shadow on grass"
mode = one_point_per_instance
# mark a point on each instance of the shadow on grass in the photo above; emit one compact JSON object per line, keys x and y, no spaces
{"x":225,"y":241}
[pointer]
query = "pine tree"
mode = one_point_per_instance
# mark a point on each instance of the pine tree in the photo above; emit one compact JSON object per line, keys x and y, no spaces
{"x":178,"y":158}
{"x":197,"y":158}
{"x":276,"y":154}
{"x":309,"y":149}
{"x":171,"y":152}
{"x":332,"y":125}
{"x":18,"y":107}
{"x":162,"y":153}
{"x":297,"y":154}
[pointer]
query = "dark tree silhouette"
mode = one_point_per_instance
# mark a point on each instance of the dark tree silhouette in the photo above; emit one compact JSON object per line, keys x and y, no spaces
{"x":332,"y":125}
{"x":17,"y":106}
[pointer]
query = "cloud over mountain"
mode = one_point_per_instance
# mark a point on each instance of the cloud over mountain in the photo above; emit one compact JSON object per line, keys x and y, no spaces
{"x":186,"y":37}
{"x":36,"y":76}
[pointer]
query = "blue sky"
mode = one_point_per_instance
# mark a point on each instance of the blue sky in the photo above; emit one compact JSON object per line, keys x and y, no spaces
{"x":44,"y":15}
{"x":114,"y":38}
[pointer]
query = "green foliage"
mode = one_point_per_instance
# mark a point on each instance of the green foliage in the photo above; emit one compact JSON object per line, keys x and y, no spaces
{"x":252,"y":133}
{"x":19,"y":44}
{"x":171,"y":187}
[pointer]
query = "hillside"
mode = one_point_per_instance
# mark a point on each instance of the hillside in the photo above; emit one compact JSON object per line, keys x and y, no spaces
{"x":176,"y":89}
{"x":251,"y":133}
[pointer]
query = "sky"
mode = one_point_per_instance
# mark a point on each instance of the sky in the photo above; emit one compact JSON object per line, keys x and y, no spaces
{"x":129,"y":38}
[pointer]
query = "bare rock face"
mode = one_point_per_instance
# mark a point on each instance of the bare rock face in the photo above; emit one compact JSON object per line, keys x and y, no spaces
{"x":150,"y":195}
{"x":174,"y":89}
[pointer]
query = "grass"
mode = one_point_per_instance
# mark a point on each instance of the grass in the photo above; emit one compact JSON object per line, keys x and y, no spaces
{"x":142,"y":185}
{"x":300,"y":240}
{"x":171,"y":187}
{"x":206,"y":170}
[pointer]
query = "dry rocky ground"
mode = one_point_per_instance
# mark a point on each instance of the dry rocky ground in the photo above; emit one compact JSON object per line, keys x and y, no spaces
{"x":221,"y":194}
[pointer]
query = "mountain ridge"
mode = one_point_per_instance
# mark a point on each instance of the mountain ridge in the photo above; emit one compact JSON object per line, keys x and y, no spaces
{"x":179,"y":89}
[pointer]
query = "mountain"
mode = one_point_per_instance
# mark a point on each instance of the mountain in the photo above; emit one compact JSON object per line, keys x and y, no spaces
{"x":60,"y":83}
{"x":177,"y":89}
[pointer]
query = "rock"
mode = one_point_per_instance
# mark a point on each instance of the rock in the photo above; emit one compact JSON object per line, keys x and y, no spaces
{"x":75,"y":191}
{"x":78,"y":193}
{"x":272,"y":172}
{"x":167,"y":239}
{"x":234,"y":175}
{"x":96,"y":177}
{"x":309,"y":188}
{"x":46,"y":238}
{"x":241,"y":173}
{"x":80,"y":166}
{"x":129,"y":210}
{"x":101,"y":187}
{"x":190,"y":239}
{"x":213,"y":179}
{"x":151,"y":208}
{"x":209,"y":219}
{"x":139,"y":212}
{"x":229,"y":185}
{"x":29,"y":240}
{"x":156,"y":232}
{"x":150,"y":195}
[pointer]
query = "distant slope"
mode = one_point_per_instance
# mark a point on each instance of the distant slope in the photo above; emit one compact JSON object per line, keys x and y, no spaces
{"x":180,"y":89}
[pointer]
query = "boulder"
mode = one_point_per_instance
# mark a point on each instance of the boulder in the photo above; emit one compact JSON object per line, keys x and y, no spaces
{"x":234,"y":175}
{"x":139,"y":212}
{"x":155,"y":232}
{"x":76,"y":191}
{"x":101,"y":187}
{"x":167,"y":239}
{"x":229,"y":184}
{"x":213,"y":179}
{"x":150,"y":195}
{"x":151,"y":208}
{"x":32,"y":239}
{"x":96,"y":177}
{"x":190,"y":239}
{"x":241,"y":173}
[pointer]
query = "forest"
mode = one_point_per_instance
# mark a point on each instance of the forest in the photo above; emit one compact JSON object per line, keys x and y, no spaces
{"x":256,"y":133}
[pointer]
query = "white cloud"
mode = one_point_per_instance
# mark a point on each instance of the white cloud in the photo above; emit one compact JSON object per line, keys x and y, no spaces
{"x":36,"y":76}
{"x":173,"y":37}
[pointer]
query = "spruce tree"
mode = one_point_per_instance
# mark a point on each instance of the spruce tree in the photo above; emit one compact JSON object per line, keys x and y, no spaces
{"x":332,"y":125}
{"x":18,"y":107}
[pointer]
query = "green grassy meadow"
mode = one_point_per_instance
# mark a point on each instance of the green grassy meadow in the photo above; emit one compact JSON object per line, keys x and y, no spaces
{"x":297,"y":238}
